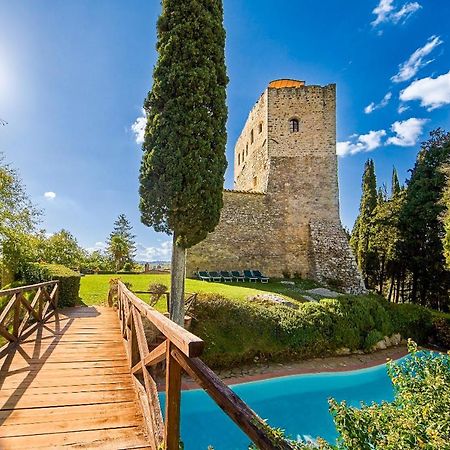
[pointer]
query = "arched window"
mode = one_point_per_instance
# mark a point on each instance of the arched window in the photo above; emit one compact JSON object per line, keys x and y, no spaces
{"x":251,"y":137}
{"x":294,"y":126}
{"x":260,"y":127}
{"x":239,"y":159}
{"x":246,"y":150}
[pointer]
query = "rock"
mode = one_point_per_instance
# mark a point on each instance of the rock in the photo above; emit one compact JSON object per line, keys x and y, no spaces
{"x":323,"y":292}
{"x":290,"y":283}
{"x":310,"y":299}
{"x":380,"y":345}
{"x":396,"y":339}
{"x":272,"y":298}
{"x":342,"y":351}
{"x":387,"y":339}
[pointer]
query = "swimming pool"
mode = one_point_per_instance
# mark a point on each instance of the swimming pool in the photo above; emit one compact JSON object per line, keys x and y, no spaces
{"x":295,"y":403}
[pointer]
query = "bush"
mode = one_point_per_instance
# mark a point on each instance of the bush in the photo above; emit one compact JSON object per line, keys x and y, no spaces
{"x":441,"y":332}
{"x":237,"y":332}
{"x":412,"y":321}
{"x":69,"y":280}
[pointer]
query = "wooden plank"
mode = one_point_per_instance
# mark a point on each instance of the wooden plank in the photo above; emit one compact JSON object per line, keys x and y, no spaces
{"x":67,"y":399}
{"x":247,"y":420}
{"x":118,"y":438}
{"x":187,"y":342}
{"x":7,"y":309}
{"x":50,"y":414}
{"x":173,"y":398}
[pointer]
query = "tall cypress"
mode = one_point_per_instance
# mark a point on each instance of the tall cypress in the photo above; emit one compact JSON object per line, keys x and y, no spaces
{"x":395,"y":184}
{"x":183,"y":163}
{"x":361,"y":231}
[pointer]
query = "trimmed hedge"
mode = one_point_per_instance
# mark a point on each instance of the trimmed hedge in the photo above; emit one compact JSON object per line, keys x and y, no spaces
{"x":237,"y":332}
{"x":69,"y":286}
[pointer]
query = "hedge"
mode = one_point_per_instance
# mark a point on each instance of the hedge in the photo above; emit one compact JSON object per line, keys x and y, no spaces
{"x":69,"y":286}
{"x":237,"y":332}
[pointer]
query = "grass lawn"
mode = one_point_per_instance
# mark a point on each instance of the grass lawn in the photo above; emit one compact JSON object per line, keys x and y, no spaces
{"x":94,"y":288}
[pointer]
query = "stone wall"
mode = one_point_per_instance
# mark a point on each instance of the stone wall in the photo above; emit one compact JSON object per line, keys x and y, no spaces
{"x":334,"y":262}
{"x":250,"y":153}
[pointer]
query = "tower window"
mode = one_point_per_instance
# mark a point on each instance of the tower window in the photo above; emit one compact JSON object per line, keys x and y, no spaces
{"x":243,"y":156}
{"x":260,"y":127}
{"x":255,"y":182}
{"x":251,"y":137}
{"x":294,"y":126}
{"x":246,"y":150}
{"x":239,"y":159}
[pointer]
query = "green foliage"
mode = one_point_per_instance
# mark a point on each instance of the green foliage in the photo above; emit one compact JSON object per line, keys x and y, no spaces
{"x":121,"y":244}
{"x":418,"y":416}
{"x":69,"y":280}
{"x":422,"y":250}
{"x":412,"y":321}
{"x":62,"y":248}
{"x":359,"y":240}
{"x":183,"y":164}
{"x":237,"y":332}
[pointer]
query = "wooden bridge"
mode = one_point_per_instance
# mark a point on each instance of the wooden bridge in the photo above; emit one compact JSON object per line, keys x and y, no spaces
{"x":68,"y":380}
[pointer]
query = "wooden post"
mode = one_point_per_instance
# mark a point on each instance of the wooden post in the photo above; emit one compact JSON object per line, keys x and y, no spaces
{"x":173,"y":397}
{"x":134,"y":348}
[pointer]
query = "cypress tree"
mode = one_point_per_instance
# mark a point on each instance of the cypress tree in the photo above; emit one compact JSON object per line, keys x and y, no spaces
{"x":361,"y":231}
{"x":395,"y":184}
{"x":183,"y":163}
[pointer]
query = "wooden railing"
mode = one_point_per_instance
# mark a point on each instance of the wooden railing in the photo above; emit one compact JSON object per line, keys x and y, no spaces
{"x":20,"y":315}
{"x":180,"y":350}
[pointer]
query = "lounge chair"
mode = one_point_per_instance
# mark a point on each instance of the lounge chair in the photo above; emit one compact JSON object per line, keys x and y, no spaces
{"x":237,"y":275}
{"x":215,"y":276}
{"x":204,"y":276}
{"x":226,"y":276}
{"x":249,"y":276}
{"x":260,"y":276}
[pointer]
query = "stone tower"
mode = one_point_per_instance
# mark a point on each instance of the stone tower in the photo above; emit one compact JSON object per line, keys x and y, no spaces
{"x":283,"y":215}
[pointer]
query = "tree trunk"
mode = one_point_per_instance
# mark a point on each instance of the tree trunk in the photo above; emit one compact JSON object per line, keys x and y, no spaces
{"x":392,"y":286}
{"x":177,"y":276}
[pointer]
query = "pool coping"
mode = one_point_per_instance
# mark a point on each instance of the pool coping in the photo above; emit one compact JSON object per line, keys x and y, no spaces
{"x":327,"y":364}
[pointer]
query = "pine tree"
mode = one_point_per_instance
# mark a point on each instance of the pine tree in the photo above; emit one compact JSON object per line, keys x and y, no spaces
{"x":122,"y":229}
{"x":361,"y":231}
{"x":183,"y":165}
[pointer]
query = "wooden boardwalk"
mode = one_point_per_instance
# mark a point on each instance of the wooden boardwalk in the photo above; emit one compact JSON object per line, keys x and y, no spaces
{"x":69,"y":385}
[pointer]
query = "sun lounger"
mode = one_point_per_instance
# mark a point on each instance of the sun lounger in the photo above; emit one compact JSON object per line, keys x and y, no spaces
{"x":260,"y":276}
{"x":215,"y":276}
{"x":226,"y":276}
{"x":237,"y":275}
{"x":204,"y":276}
{"x":249,"y":276}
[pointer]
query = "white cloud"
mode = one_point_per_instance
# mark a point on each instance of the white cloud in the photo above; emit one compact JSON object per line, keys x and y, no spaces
{"x":432,"y":92}
{"x":97,"y":246}
{"x":386,"y":12}
{"x":402,"y":108}
{"x":50,"y":195}
{"x":416,"y":61}
{"x":162,"y":252}
{"x":138,"y":128}
{"x":406,"y":132}
{"x":362,"y":143}
{"x":373,"y":106}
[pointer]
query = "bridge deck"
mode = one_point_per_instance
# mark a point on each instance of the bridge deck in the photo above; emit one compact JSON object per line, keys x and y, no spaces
{"x":69,"y":384}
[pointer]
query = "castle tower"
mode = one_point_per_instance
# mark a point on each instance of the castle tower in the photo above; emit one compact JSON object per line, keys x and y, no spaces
{"x":283,"y":215}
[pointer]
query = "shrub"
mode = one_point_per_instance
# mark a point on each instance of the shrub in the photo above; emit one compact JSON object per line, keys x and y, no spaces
{"x":69,"y":280}
{"x":157,"y":291}
{"x":441,"y":332}
{"x":411,"y":321}
{"x":236,"y":332}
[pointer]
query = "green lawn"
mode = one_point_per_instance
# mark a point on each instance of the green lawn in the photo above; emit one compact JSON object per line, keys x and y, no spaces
{"x":94,"y":288}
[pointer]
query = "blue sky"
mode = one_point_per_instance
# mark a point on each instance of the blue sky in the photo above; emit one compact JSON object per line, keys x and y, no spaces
{"x":74,"y":73}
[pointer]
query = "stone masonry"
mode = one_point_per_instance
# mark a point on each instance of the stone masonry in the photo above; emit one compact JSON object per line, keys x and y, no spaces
{"x":283,"y":214}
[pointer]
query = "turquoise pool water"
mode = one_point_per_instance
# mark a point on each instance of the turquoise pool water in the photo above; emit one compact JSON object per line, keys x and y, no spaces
{"x":296,"y":403}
